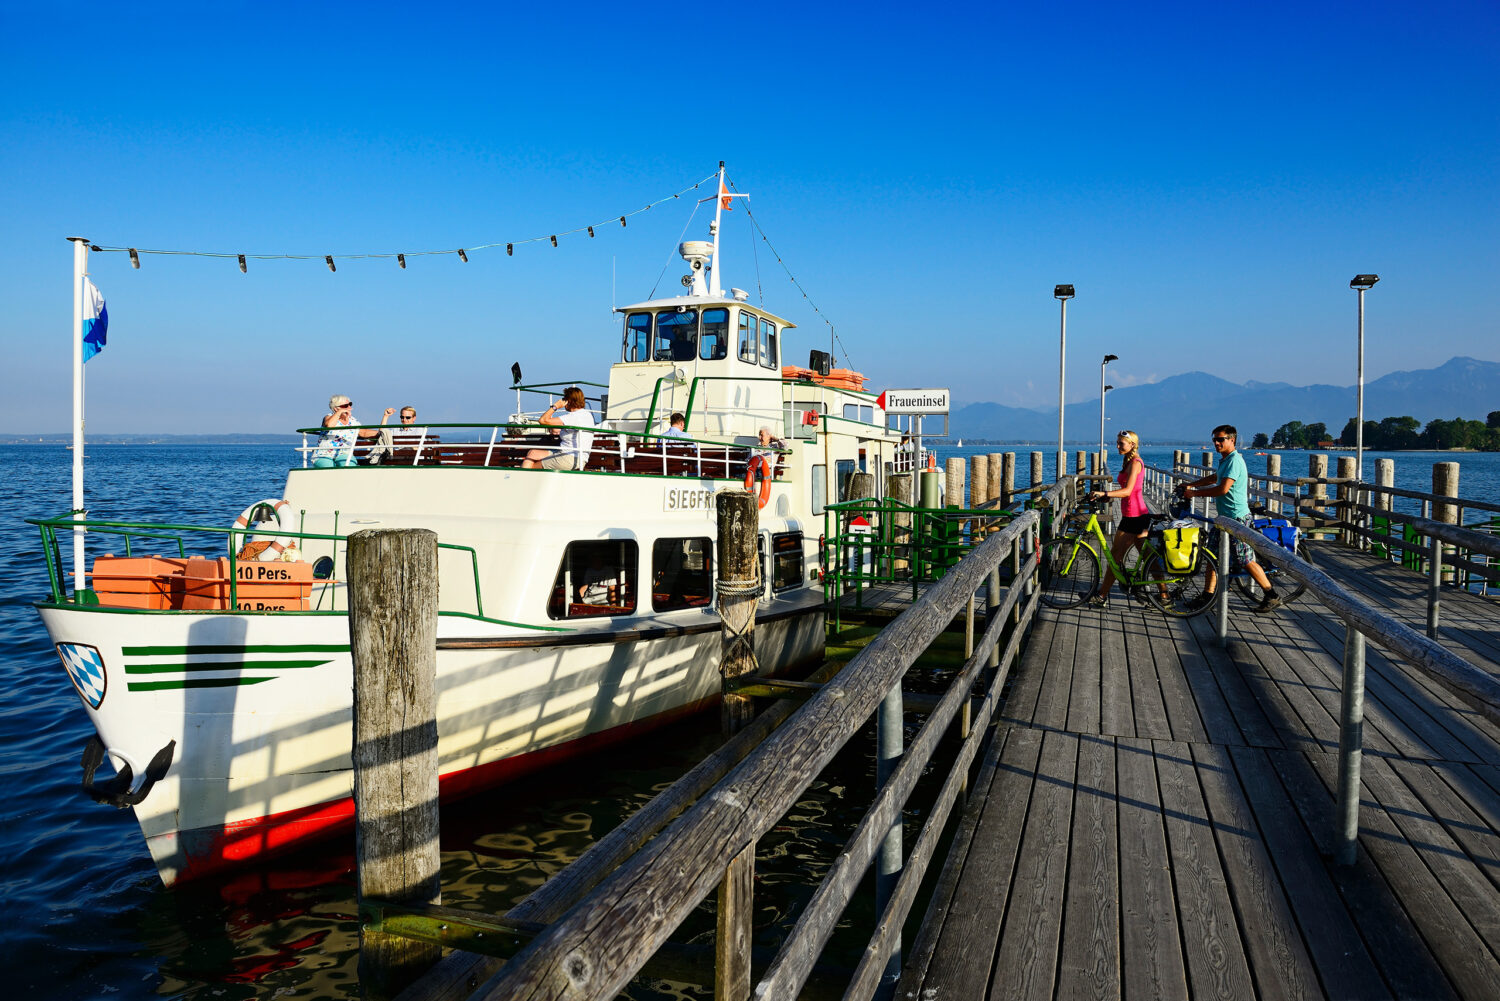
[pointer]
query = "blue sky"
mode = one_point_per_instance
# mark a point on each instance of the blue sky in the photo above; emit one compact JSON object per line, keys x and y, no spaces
{"x":1208,"y":177}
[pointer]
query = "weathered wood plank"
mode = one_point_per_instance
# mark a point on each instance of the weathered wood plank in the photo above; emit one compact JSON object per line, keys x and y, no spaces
{"x":1089,"y":967}
{"x":1219,"y":723}
{"x":1145,"y":688}
{"x":1153,"y":966}
{"x":1116,"y":709}
{"x":1215,"y":956}
{"x":1083,"y":700}
{"x":1279,"y":962}
{"x":1026,"y":965}
{"x":1057,"y":684}
{"x":1256,"y":728}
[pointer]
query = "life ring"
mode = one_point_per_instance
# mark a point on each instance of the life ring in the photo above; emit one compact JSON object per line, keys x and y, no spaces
{"x":758,"y":462}
{"x":282,"y":510}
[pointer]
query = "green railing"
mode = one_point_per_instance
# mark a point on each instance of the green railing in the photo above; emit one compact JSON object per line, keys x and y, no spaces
{"x":81,"y":596}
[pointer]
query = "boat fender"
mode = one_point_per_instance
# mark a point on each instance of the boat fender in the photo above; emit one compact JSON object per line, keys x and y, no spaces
{"x":116,"y":792}
{"x":758,"y":463}
{"x":282,"y":510}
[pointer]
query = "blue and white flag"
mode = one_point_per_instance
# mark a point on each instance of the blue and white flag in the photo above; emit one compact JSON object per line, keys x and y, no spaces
{"x":95,"y":320}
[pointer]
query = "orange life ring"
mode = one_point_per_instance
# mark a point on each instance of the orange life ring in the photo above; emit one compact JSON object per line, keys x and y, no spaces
{"x":758,"y":462}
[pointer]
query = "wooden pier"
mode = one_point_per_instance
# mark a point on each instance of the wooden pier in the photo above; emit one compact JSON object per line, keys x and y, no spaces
{"x":1155,"y":814}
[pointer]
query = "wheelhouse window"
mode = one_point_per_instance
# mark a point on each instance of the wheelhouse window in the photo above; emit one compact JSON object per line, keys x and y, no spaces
{"x":713,"y":344}
{"x":767,"y":344}
{"x":638,"y":337}
{"x":748,"y":350}
{"x":595,"y":578}
{"x":681,"y":574}
{"x":676,"y":335}
{"x":786,"y":561}
{"x":856,"y":412}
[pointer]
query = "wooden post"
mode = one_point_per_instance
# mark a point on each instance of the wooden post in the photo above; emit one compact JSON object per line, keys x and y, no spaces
{"x":1346,"y":495}
{"x":1317,"y":468}
{"x":1208,"y":461}
{"x":393,"y":605}
{"x":1005,"y":487}
{"x":1080,"y":462}
{"x":953,"y":489}
{"x":1273,"y":468}
{"x":899,"y":488}
{"x":1037,"y":471}
{"x":979,"y":480}
{"x":1445,"y":482}
{"x":1385,"y":476}
{"x":739,"y":595}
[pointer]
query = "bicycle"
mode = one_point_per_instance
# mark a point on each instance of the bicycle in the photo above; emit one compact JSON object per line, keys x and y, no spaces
{"x":1244,"y":584}
{"x":1070,"y":567}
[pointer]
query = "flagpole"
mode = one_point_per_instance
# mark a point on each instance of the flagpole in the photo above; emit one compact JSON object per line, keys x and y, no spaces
{"x":714,"y":287}
{"x":80,"y":269}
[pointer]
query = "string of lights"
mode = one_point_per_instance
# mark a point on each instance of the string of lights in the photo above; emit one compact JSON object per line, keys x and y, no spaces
{"x":793,"y":278}
{"x":462,"y":253}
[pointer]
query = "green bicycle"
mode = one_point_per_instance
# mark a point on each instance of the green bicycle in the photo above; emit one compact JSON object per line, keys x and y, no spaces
{"x":1174,"y":582}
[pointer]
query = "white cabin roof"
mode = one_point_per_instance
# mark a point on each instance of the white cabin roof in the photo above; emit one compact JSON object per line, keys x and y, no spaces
{"x":704,"y":302}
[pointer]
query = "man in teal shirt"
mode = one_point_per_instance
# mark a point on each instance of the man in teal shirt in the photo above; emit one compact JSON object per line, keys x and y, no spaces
{"x":1230,"y":489}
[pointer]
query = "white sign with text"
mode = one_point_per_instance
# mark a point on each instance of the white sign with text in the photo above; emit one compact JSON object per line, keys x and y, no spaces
{"x":914,"y":401}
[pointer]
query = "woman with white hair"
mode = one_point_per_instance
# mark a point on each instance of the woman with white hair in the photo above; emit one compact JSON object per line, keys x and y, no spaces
{"x":1135,"y":516}
{"x":336,"y":445}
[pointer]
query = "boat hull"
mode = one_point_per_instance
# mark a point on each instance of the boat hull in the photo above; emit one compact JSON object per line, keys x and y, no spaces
{"x":259,"y":708}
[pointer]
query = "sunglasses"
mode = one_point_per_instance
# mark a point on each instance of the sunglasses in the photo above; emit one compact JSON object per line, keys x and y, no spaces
{"x":408,"y":417}
{"x":1220,"y":441}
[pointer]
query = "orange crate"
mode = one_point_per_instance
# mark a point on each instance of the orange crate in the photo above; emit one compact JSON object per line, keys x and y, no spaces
{"x":261,"y":587}
{"x":153,"y":582}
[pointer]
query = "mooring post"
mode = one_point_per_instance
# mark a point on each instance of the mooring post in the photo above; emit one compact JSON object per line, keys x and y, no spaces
{"x":1277,"y":491}
{"x":1347,"y":491}
{"x":1317,"y":468}
{"x":979,"y":481}
{"x":1206,"y":460}
{"x":1005,"y":487}
{"x":739,"y":587}
{"x":393,"y":606}
{"x":898,"y":487}
{"x":1351,"y":738}
{"x":1038,"y":474}
{"x":1221,"y":596}
{"x":1445,"y":482}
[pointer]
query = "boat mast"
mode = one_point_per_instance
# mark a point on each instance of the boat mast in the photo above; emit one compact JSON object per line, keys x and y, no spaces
{"x":80,"y":270}
{"x":714,"y":288}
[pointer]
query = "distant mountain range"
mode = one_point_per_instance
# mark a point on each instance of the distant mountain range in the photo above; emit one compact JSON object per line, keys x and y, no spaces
{"x":1184,"y":408}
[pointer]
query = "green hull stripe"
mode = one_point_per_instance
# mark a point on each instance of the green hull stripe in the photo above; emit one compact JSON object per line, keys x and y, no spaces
{"x":221,"y":665}
{"x":167,"y":651}
{"x":158,"y":686}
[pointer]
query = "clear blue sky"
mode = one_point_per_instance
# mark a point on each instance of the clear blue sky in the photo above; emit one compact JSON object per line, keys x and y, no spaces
{"x":1209,"y":177}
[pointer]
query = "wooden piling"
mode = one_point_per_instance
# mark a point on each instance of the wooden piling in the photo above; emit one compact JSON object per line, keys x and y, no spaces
{"x":1080,"y":462}
{"x":393,"y":606}
{"x":1445,"y":482}
{"x":953,"y":489}
{"x":739,"y":595}
{"x":1005,"y":488}
{"x":1037,"y":470}
{"x":898,"y":486}
{"x":979,"y":480}
{"x":1385,"y":476}
{"x":1317,"y":468}
{"x":1273,"y":469}
{"x":1347,"y":496}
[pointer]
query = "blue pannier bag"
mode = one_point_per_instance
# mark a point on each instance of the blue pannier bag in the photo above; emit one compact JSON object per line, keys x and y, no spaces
{"x":1278,"y":530}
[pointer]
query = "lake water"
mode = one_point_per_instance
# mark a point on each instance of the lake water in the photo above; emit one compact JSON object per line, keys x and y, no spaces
{"x":86,"y":915}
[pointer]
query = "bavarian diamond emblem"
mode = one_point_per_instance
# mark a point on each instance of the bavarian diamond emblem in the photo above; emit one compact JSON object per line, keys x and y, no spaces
{"x":86,"y":670}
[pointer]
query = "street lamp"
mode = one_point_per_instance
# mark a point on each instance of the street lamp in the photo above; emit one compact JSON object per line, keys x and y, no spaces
{"x":1103,"y":458}
{"x":1361,"y":284}
{"x":1062,"y":293}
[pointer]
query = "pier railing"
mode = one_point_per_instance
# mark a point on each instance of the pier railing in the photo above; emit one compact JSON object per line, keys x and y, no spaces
{"x":616,"y":906}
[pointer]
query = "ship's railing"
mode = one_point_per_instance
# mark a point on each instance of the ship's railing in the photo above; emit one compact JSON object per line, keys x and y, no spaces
{"x":188,"y":538}
{"x":506,"y":445}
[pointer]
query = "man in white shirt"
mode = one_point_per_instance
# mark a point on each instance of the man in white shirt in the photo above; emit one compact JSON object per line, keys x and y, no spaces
{"x":677,"y":427}
{"x":569,"y":413}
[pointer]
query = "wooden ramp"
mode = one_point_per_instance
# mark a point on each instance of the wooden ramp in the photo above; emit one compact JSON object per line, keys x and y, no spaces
{"x":1155,"y":815}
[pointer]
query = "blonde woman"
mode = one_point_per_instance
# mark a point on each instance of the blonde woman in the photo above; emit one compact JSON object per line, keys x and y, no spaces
{"x":1135,"y":516}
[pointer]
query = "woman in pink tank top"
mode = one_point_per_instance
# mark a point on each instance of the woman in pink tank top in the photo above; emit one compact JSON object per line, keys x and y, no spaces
{"x":1135,"y":516}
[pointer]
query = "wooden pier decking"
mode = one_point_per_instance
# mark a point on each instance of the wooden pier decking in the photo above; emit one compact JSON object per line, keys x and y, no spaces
{"x":1155,"y":815}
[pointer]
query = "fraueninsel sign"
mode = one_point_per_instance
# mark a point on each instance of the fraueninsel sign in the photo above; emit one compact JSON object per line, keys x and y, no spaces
{"x":914,"y":401}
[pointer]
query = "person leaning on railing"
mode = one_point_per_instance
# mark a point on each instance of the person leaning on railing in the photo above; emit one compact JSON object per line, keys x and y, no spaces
{"x":676,"y":427}
{"x":575,"y":443}
{"x":336,"y":445}
{"x":1230,"y":489}
{"x":1135,"y":516}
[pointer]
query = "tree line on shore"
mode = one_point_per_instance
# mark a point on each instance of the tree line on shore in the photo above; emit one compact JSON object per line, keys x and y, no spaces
{"x":1392,"y":434}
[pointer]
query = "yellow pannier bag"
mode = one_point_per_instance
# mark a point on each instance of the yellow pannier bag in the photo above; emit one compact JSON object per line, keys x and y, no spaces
{"x":1180,"y":548}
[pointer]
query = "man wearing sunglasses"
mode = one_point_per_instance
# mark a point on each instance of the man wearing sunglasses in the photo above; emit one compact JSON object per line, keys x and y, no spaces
{"x":1230,"y":489}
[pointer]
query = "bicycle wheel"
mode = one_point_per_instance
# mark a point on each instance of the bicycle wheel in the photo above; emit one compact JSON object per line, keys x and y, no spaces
{"x":1288,"y":588}
{"x":1069,"y":571}
{"x":1183,"y":595}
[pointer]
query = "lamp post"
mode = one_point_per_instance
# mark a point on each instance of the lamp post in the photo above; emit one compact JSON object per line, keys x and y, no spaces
{"x":1062,"y":293}
{"x":1361,"y":284}
{"x":1103,"y":458}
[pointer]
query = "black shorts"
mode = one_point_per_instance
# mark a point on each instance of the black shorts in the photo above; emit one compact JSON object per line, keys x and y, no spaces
{"x":1136,"y":525}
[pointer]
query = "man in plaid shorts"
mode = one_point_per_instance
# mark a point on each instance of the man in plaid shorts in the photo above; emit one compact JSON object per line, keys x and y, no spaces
{"x":1230,"y":489}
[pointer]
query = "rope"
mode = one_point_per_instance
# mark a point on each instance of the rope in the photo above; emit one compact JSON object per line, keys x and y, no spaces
{"x":749,"y":586}
{"x":739,"y":639}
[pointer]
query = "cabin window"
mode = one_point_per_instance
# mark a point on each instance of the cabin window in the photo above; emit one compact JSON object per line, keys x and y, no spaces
{"x":638,"y":337}
{"x":713,"y":345}
{"x":855,"y":412}
{"x":767,"y":343}
{"x":681,"y":574}
{"x":844,"y":472}
{"x":786,"y":561}
{"x":818,"y":483}
{"x":676,"y":335}
{"x":747,"y":337}
{"x":595,"y":578}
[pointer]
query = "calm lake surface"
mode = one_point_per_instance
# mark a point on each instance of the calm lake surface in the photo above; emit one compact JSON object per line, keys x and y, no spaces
{"x":87,"y":916}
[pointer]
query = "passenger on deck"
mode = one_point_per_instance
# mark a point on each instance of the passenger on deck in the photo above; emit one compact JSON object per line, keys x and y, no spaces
{"x":336,"y":445}
{"x":768,"y":449}
{"x":575,"y":445}
{"x":677,"y":427}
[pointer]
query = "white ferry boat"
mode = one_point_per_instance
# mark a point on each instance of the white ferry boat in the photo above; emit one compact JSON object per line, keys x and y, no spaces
{"x":576,"y":605}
